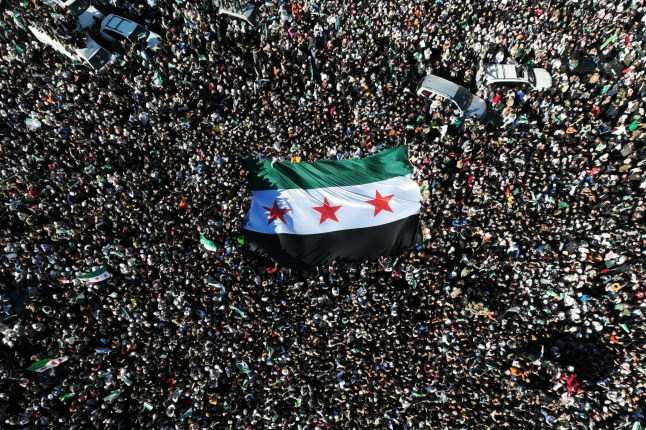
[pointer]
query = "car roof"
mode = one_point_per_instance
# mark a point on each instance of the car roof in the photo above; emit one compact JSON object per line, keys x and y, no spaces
{"x":501,"y":72}
{"x":440,"y":85}
{"x":119,"y":24}
{"x":90,"y":48}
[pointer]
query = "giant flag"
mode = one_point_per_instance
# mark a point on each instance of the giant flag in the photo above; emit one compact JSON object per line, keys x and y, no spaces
{"x":307,"y":214}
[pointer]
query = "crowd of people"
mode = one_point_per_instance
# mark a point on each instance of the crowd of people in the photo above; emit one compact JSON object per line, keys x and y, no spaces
{"x":522,"y":305}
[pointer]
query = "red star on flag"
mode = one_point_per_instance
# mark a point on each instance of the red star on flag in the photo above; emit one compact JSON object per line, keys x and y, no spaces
{"x":381,"y":203}
{"x":327,"y":211}
{"x":276,"y":213}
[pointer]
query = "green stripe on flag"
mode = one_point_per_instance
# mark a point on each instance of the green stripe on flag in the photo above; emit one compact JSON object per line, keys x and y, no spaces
{"x":112,"y":396}
{"x":96,"y":276}
{"x":609,"y":41}
{"x":157,"y":78}
{"x":210,"y":246}
{"x":125,"y":380}
{"x":46,"y":364}
{"x":80,"y":296}
{"x":243,"y":367}
{"x":387,"y":164}
{"x":239,"y":311}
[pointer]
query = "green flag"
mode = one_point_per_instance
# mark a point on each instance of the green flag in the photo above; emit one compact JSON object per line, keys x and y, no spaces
{"x":242,"y":367}
{"x":46,"y":364}
{"x":157,"y":78}
{"x":210,"y":246}
{"x":75,"y":299}
{"x":125,"y":380}
{"x":187,"y":414}
{"x":608,"y":41}
{"x":242,"y":314}
{"x":112,"y":396}
{"x":94,"y":277}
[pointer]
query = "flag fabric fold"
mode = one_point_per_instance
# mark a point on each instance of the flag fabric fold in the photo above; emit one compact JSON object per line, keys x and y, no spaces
{"x":308,"y":214}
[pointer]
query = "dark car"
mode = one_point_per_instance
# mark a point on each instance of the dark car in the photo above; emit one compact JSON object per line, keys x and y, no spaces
{"x":581,"y":65}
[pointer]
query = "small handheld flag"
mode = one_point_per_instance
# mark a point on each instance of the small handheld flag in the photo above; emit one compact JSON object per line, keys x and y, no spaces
{"x":187,"y":414}
{"x":210,"y":246}
{"x":242,"y":314}
{"x":66,"y":396}
{"x":112,"y":396}
{"x":242,"y":367}
{"x":46,"y":364}
{"x":97,"y":276}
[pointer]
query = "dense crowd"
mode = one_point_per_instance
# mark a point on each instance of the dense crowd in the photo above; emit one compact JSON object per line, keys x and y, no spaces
{"x":522,"y":305}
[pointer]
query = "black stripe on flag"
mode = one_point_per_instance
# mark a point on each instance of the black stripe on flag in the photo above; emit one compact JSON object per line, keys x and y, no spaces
{"x":309,"y":250}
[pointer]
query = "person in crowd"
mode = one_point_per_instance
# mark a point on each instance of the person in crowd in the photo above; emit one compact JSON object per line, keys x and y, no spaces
{"x":521,"y":306}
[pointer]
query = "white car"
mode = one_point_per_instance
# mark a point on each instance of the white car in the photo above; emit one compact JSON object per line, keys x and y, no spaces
{"x":118,"y":28}
{"x":515,"y":76}
{"x":245,"y":12}
{"x":93,"y":54}
{"x":89,"y":54}
{"x":467,"y":103}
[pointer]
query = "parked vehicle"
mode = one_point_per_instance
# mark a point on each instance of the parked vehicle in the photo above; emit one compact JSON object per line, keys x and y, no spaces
{"x":246,"y":12}
{"x":86,"y":14}
{"x":88,"y":53}
{"x":116,"y":28}
{"x":515,"y":76}
{"x":467,"y":104}
{"x":94,"y":55}
{"x":581,"y":65}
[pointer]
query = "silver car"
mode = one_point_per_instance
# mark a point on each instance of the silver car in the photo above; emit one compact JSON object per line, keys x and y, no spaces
{"x":516,"y":76}
{"x":468,"y":104}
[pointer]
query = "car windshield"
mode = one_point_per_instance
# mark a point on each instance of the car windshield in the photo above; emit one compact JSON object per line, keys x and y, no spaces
{"x":78,"y":7}
{"x":531,"y":77}
{"x":138,"y":33}
{"x":462,"y":98}
{"x":100,"y":59}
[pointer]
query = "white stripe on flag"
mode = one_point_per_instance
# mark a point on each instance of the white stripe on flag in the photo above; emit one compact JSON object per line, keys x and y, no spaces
{"x":355,"y":211}
{"x":46,"y":364}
